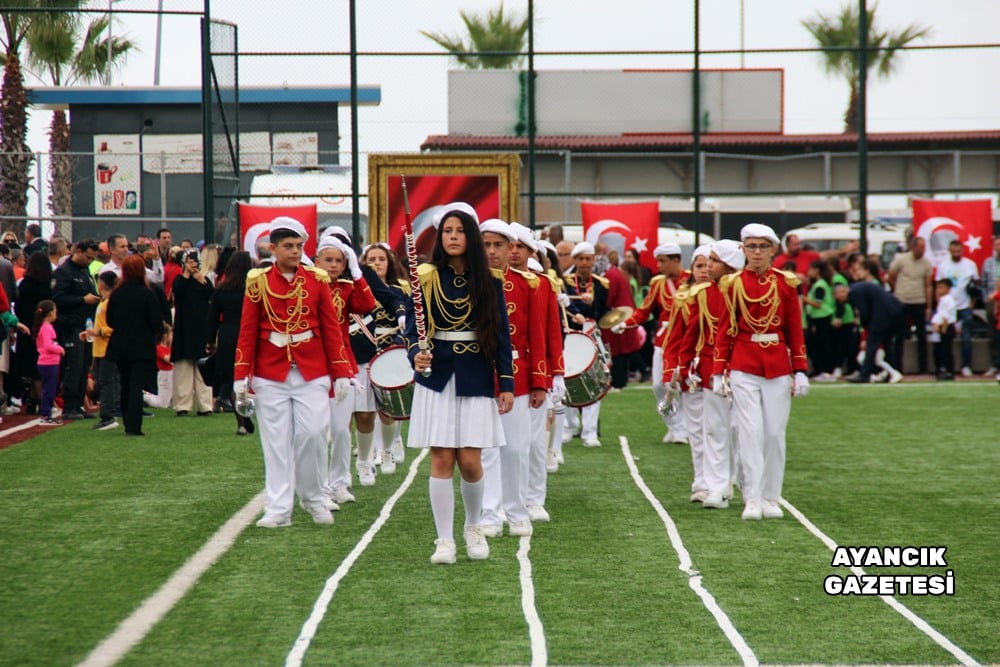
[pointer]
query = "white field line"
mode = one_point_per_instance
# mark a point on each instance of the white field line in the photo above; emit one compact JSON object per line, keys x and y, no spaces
{"x":20,"y":427}
{"x":536,"y":631}
{"x":686,"y":566}
{"x":131,"y":631}
{"x":922,"y":625}
{"x":301,"y":645}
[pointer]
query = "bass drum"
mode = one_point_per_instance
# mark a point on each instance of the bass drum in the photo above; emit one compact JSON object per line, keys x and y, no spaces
{"x":391,"y":379}
{"x":587,"y":377}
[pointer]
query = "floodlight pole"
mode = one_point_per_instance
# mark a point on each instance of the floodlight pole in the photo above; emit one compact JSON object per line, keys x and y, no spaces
{"x":696,"y":125}
{"x":862,"y":125}
{"x":355,"y":153}
{"x":531,"y":115}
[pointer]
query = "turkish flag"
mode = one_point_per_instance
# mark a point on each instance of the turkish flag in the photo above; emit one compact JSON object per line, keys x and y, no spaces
{"x":255,"y":219}
{"x":621,"y":226}
{"x":940,"y":222}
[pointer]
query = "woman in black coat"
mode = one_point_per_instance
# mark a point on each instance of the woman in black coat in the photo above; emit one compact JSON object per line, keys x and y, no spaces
{"x":224,"y":329}
{"x":192,"y":294}
{"x":134,"y":315}
{"x":35,"y":286}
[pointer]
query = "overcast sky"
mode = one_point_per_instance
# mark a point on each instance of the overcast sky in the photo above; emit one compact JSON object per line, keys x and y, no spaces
{"x":932,"y":90}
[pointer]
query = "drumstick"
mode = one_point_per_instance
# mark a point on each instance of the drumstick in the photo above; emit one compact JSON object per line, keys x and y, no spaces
{"x":415,"y":289}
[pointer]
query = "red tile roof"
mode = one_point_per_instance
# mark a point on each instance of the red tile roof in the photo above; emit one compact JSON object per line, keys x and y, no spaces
{"x":718,"y":141}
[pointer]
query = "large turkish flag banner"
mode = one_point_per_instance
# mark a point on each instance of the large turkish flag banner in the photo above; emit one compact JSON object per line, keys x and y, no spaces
{"x":940,"y":222}
{"x":255,"y":219}
{"x":634,"y":225}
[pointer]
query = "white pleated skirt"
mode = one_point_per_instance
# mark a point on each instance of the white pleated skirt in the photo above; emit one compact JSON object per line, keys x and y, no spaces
{"x":442,"y":419}
{"x":363,"y":397}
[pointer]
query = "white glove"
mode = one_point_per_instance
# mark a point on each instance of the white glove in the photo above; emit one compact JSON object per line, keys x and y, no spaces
{"x":352,"y":262}
{"x":558,"y":388}
{"x":563,"y":299}
{"x":800,"y":385}
{"x":242,"y":388}
{"x":402,"y":322}
{"x":719,"y":385}
{"x":618,"y":328}
{"x":341,"y":389}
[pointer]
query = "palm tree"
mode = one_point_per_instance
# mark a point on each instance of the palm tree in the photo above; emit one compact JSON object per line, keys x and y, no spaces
{"x":495,"y":41}
{"x":62,"y":53}
{"x":839,"y":36}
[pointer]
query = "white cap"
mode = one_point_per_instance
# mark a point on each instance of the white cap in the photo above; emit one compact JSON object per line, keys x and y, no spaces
{"x":497,"y":226}
{"x":668,"y":248}
{"x":443,"y":212}
{"x":542,"y":243}
{"x":583,"y":248}
{"x":755,"y":230}
{"x":730,"y":252}
{"x":291,"y":224}
{"x":332,"y":242}
{"x":336,"y":230}
{"x":701,"y":251}
{"x":534,"y":265}
{"x":523,"y":234}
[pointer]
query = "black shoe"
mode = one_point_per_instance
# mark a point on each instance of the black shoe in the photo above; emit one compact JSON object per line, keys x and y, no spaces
{"x":182,"y":413}
{"x":105,"y":425}
{"x":204,"y":413}
{"x":87,"y":415}
{"x":129,"y":433}
{"x":248,"y":424}
{"x":857,"y":377}
{"x":72,"y":416}
{"x":146,"y":413}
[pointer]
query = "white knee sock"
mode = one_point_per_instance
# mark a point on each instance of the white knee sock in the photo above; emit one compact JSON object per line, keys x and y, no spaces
{"x":388,"y":432}
{"x":443,"y":507}
{"x":365,"y":446}
{"x":472,"y":497}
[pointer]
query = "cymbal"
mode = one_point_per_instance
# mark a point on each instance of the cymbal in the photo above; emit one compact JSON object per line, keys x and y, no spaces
{"x":615,"y":316}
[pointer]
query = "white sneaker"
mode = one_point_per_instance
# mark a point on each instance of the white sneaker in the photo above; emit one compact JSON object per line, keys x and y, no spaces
{"x":476,"y":545}
{"x":331,"y":504}
{"x":561,"y":460}
{"x":551,"y":462}
{"x":366,"y":474}
{"x":342,"y":495}
{"x":992,"y":371}
{"x":519,"y":528}
{"x":320,"y":515}
{"x":666,"y":438}
{"x":538,"y":513}
{"x":566,"y":437}
{"x":398,"y":451}
{"x":715,"y":501}
{"x":377,"y":459}
{"x":895,"y":376}
{"x":491,"y":529}
{"x":771,"y":509}
{"x":270,"y":521}
{"x":751,"y":511}
{"x":966,"y":372}
{"x":699,"y":496}
{"x":591,"y":442}
{"x":837,"y":373}
{"x":388,"y":463}
{"x":444,"y":552}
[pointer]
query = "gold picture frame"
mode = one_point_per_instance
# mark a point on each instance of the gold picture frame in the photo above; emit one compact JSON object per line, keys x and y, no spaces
{"x":503,"y":166}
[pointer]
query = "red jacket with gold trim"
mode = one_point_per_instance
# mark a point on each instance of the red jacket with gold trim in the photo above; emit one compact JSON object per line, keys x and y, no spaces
{"x":527,"y":330}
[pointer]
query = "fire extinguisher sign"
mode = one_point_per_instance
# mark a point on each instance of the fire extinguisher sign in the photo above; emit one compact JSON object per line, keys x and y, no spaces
{"x":117,"y":174}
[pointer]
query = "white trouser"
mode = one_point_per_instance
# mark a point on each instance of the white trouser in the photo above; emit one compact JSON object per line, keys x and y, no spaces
{"x":590,"y":416}
{"x":293,"y":418}
{"x":558,"y":425}
{"x":190,"y":389}
{"x":505,"y":469}
{"x":338,"y":470}
{"x":164,"y":395}
{"x":760,"y":410}
{"x":534,"y":493}
{"x":717,"y":431}
{"x":692,"y":410}
{"x":676,"y":422}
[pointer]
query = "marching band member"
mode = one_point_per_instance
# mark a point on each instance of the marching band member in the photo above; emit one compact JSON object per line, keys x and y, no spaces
{"x":711,"y":425}
{"x":350,"y":296}
{"x":680,"y":366}
{"x":383,"y":261}
{"x":760,"y":347}
{"x":289,"y":351}
{"x":588,"y":293}
{"x":548,"y":320}
{"x":456,"y":409}
{"x":659,"y":301}
{"x":550,"y":262}
{"x":506,"y":470}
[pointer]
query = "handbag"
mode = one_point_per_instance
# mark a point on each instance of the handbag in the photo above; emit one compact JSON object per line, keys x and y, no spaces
{"x":206,"y":366}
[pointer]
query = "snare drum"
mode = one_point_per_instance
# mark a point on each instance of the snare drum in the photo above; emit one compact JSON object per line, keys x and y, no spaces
{"x":591,"y":329}
{"x":391,"y":378}
{"x":587,"y":376}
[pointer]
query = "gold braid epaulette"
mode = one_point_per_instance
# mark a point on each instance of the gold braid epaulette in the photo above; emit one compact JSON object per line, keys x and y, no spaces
{"x":257,"y":283}
{"x":557,"y":282}
{"x":706,"y":320}
{"x":601,"y":279}
{"x":320,"y":274}
{"x":790,"y":278}
{"x":530,"y":276}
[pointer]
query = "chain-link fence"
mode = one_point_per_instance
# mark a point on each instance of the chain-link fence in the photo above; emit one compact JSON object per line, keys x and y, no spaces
{"x":609,"y":115}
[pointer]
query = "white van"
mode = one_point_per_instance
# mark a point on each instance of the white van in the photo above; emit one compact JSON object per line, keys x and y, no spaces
{"x":328,"y":187}
{"x":666,"y":233}
{"x":884,"y":238}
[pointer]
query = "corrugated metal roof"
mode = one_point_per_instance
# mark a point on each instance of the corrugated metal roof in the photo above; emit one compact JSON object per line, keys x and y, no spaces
{"x":717,"y":142}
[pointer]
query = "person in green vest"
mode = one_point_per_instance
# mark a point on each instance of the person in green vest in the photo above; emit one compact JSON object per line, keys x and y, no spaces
{"x":820,"y":308}
{"x":845,"y":332}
